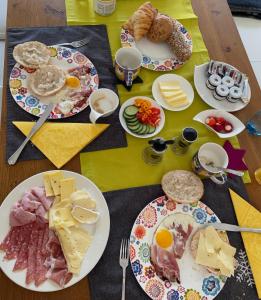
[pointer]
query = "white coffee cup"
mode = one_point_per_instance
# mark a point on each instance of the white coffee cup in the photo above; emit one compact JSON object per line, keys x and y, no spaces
{"x":103,"y":102}
{"x":211,"y":153}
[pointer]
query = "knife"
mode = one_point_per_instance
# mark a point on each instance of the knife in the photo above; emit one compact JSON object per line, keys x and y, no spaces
{"x":12,"y":159}
{"x":229,"y":227}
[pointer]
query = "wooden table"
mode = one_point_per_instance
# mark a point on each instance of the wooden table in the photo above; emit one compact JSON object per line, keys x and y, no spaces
{"x":223,"y":42}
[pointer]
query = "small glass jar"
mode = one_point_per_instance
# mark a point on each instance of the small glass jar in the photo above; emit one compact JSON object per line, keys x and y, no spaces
{"x":104,"y":7}
{"x":153,"y":154}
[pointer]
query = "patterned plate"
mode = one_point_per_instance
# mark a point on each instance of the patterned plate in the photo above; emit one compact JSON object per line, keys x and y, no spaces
{"x":196,"y":282}
{"x":156,"y":56}
{"x":66,"y":59}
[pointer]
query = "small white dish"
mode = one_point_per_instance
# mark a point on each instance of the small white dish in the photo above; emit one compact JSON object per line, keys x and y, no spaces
{"x":200,"y":78}
{"x":184,"y":84}
{"x":238,"y":126}
{"x":131,"y":102}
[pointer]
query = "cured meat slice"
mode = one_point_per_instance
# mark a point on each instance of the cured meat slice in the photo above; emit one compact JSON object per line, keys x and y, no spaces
{"x":31,"y":265}
{"x":165,"y":264}
{"x":14,"y":245}
{"x":19,"y":216}
{"x":60,"y":276}
{"x":21,"y":261}
{"x":181,"y":238}
{"x":29,"y":202}
{"x":40,"y":211}
{"x":41,"y":269}
{"x":39,"y":192}
{"x":5,"y":243}
{"x":53,"y":245}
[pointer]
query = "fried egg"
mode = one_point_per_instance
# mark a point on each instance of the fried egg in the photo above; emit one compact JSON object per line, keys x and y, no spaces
{"x":73,"y":82}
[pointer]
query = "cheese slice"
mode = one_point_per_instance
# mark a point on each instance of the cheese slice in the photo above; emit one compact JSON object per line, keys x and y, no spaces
{"x":55,"y":178}
{"x":248,"y":216}
{"x":75,"y":242}
{"x":60,"y":142}
{"x":169,"y":85}
{"x":47,"y":185}
{"x":178,"y":101}
{"x":203,"y":257}
{"x":61,"y":217}
{"x":213,"y":241}
{"x":67,"y":187}
{"x":171,"y":94}
{"x":83,"y":199}
{"x":214,"y":253}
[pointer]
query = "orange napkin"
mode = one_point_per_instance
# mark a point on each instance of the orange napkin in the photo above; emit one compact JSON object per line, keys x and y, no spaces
{"x":60,"y":142}
{"x":248,"y":216}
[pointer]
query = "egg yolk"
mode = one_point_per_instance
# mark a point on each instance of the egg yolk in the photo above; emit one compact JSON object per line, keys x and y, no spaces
{"x":73,"y":82}
{"x":164,"y":238}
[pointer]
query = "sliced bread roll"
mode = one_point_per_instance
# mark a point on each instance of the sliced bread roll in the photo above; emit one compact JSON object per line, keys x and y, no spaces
{"x":182,"y":186}
{"x":47,"y":80}
{"x":31,"y":54}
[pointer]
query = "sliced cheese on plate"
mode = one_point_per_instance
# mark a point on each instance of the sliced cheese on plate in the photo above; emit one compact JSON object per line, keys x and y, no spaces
{"x":84,"y":215}
{"x":67,"y":187}
{"x":82,"y":198}
{"x":169,"y":85}
{"x":60,"y":142}
{"x":47,"y":185}
{"x":75,"y":242}
{"x":55,"y":178}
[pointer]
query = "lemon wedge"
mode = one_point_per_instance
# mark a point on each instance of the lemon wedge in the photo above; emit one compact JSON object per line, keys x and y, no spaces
{"x":85,"y":215}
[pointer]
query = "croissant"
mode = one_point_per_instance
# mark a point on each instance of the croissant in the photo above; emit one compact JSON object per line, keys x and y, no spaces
{"x":140,"y":22}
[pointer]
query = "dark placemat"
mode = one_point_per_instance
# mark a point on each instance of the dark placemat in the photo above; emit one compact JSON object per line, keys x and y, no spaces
{"x":98,"y":51}
{"x":125,"y":205}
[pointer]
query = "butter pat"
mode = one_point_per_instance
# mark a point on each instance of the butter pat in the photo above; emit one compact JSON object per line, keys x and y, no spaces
{"x":67,"y":187}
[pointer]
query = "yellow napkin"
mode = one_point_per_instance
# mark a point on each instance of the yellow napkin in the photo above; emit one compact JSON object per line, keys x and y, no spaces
{"x":248,"y":216}
{"x":60,"y":142}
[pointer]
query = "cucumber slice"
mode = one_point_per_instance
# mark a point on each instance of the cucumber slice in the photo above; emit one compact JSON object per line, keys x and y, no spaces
{"x":133,"y":127}
{"x":143,"y":130}
{"x":152,"y":129}
{"x":128,"y":117}
{"x":131,"y":111}
{"x":132,"y":121}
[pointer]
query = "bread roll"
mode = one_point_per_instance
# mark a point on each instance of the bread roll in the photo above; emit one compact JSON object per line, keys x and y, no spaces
{"x":31,"y":54}
{"x":178,"y":44}
{"x":140,"y":22}
{"x":160,"y":29}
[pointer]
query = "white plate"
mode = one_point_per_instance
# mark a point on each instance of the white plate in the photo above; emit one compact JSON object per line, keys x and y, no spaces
{"x":156,"y":56}
{"x":238,"y":126}
{"x":93,"y":254}
{"x":131,"y":102}
{"x":195,"y":279}
{"x":184,"y":84}
{"x":200,"y":78}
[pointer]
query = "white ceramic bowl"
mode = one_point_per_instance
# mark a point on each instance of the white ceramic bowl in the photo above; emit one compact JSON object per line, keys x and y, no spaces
{"x":184,"y":84}
{"x":238,"y":126}
{"x":131,"y":102}
{"x":200,"y":78}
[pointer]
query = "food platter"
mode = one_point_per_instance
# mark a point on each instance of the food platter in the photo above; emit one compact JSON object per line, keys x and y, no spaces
{"x":156,"y":56}
{"x":100,"y":231}
{"x":195,"y":281}
{"x":66,"y":59}
{"x":184,"y":84}
{"x":200,"y":78}
{"x":130,"y":102}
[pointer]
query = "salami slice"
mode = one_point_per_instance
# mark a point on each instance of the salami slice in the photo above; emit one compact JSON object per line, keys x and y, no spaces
{"x":31,"y":265}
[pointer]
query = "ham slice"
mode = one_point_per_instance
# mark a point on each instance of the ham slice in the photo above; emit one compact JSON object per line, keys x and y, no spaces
{"x":29,"y":202}
{"x":165,"y":264}
{"x":181,"y":238}
{"x":39,"y":192}
{"x":19,"y":216}
{"x":60,"y":276}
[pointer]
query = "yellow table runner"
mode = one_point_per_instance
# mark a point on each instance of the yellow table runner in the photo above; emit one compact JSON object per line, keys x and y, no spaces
{"x":123,"y":167}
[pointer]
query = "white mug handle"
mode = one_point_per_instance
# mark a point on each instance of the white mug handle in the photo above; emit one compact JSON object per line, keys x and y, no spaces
{"x":94,"y":116}
{"x":217,"y":181}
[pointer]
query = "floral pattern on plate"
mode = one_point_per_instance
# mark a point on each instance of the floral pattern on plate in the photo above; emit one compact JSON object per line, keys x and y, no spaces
{"x":155,"y":64}
{"x":64,"y":58}
{"x":201,"y":285}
